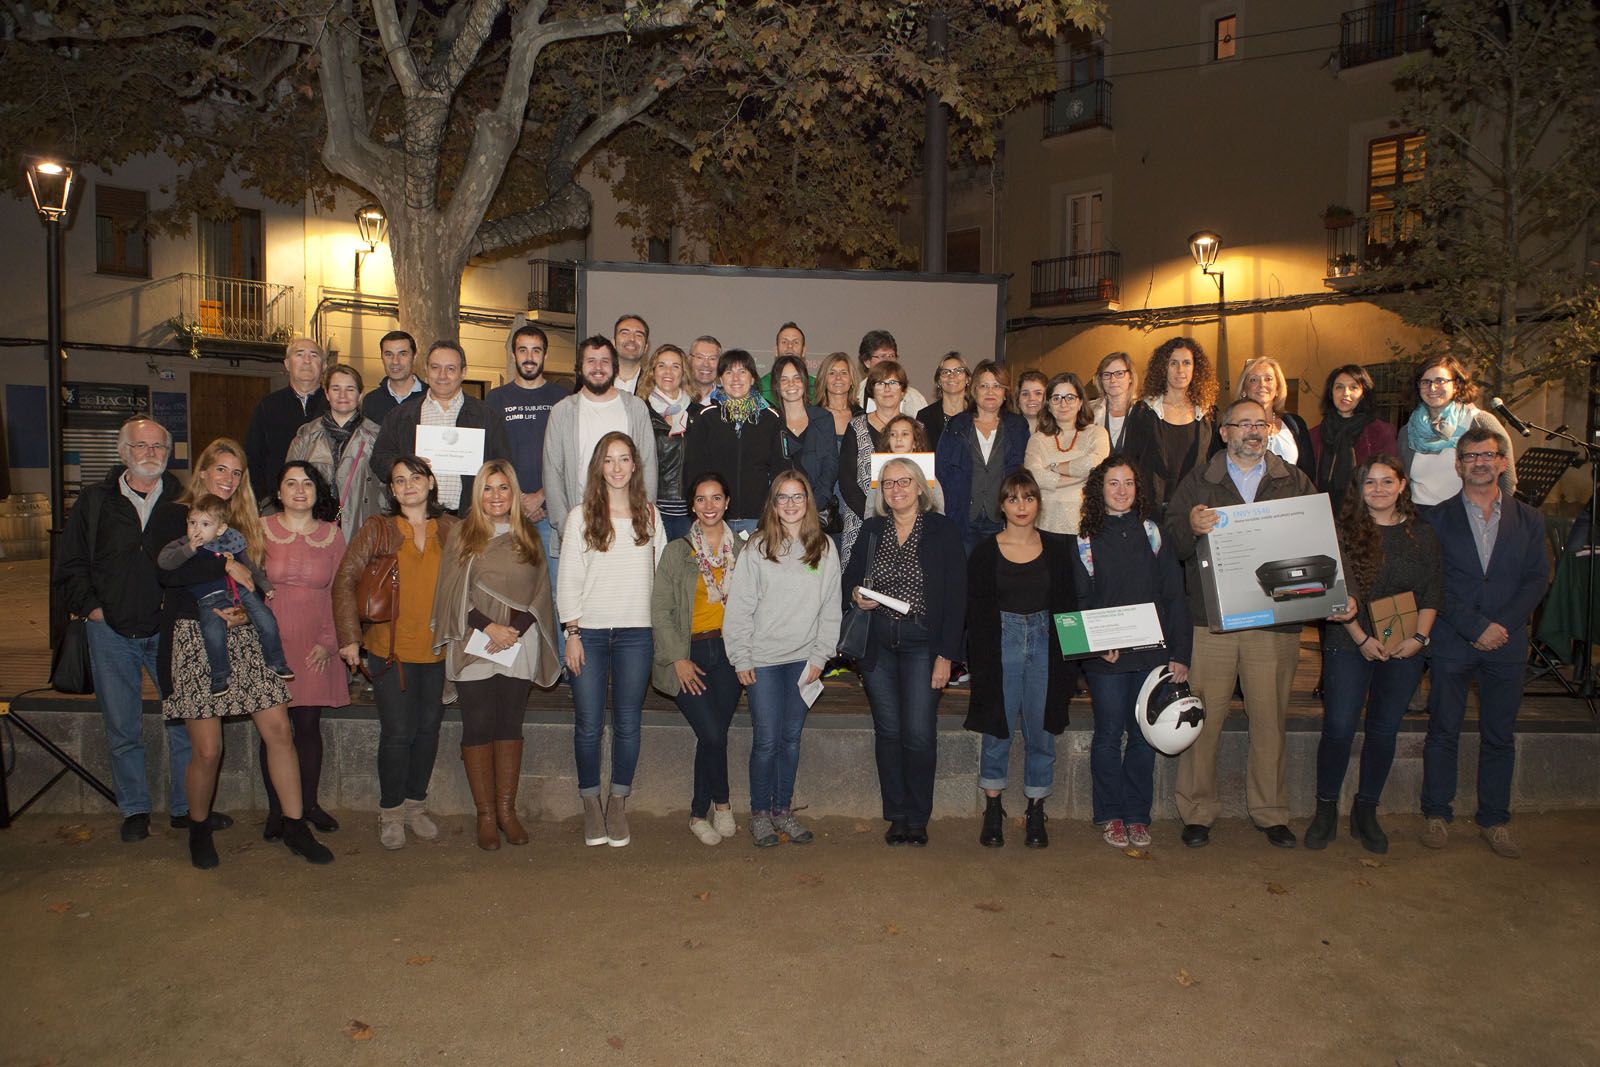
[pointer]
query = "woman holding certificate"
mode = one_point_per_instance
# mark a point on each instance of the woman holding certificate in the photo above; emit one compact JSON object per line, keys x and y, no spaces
{"x":1122,"y":559}
{"x":1393,"y":567}
{"x":1017,"y":581}
{"x":493,"y":617}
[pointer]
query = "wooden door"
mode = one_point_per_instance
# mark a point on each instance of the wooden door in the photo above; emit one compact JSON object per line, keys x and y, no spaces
{"x":220,"y":406}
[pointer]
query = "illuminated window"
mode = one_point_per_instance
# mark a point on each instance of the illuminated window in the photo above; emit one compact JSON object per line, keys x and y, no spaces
{"x":1391,"y":163}
{"x":1223,"y":43}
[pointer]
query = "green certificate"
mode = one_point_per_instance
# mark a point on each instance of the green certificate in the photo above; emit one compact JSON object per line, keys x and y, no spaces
{"x":1088,"y":633}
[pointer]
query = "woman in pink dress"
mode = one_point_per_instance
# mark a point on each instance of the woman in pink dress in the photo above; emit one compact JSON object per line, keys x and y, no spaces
{"x":304,"y":547}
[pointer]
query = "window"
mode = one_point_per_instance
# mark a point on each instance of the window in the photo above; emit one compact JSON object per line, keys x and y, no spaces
{"x":231,"y":248}
{"x":1223,"y":44}
{"x":1083,"y":222}
{"x":1392,"y":162}
{"x":963,"y":251}
{"x":1080,"y":60}
{"x":121,"y":244}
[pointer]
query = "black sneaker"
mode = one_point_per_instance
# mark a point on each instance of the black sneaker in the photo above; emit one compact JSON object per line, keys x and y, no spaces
{"x":136,"y":827}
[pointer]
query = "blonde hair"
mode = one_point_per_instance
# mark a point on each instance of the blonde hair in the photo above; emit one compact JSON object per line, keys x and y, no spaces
{"x":477,"y":528}
{"x":243,"y":513}
{"x":647,"y":379}
{"x":1280,"y":391}
{"x":819,"y":391}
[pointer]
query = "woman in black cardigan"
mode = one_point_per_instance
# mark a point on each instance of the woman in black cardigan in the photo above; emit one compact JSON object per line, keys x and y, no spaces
{"x":1017,"y":581}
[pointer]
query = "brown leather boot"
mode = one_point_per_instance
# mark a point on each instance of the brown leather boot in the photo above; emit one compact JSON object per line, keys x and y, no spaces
{"x":507,"y":774}
{"x":479,"y":760}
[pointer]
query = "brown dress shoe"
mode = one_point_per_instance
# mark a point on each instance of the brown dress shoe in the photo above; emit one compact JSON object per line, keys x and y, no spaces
{"x":479,"y":760}
{"x":507,"y":774}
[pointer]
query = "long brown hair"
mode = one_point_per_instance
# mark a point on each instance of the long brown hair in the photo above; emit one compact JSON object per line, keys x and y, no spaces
{"x":770,"y":529}
{"x":597,"y":498}
{"x":1361,"y":539}
{"x":477,"y":528}
{"x":1048,"y":423}
{"x":243,"y":514}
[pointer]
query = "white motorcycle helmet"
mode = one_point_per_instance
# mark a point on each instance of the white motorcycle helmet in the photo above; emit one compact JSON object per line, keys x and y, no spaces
{"x":1169,"y":715}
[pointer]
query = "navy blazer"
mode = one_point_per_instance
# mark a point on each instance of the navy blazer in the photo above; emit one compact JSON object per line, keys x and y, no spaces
{"x":944,"y":578}
{"x":952,"y":460}
{"x":1517,"y":580}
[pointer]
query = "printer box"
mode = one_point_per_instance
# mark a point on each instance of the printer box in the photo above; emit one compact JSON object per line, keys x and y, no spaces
{"x":1271,"y":563}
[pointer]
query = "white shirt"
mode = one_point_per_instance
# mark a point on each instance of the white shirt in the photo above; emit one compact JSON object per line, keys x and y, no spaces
{"x":630,"y":385}
{"x":986,"y":441}
{"x":596,"y":418}
{"x":611,"y":589}
{"x":1281,"y":444}
{"x":1433,"y":477}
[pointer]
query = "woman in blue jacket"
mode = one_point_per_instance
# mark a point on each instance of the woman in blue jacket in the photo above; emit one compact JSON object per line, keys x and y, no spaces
{"x":976,"y":451}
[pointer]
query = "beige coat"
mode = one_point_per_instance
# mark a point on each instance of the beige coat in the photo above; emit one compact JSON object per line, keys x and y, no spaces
{"x":1061,"y":489}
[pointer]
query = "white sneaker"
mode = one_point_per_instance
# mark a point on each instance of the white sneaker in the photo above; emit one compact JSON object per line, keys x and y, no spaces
{"x":705,"y":832}
{"x":722,"y":821}
{"x":392,"y":828}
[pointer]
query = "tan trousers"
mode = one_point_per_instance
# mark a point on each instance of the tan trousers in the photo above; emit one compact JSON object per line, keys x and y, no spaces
{"x":1263,"y":662}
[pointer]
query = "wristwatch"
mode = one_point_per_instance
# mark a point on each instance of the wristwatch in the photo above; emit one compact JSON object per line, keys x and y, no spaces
{"x":1422,"y":638}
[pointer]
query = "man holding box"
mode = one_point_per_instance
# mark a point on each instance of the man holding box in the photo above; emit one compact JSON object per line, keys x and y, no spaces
{"x":1261,"y":660}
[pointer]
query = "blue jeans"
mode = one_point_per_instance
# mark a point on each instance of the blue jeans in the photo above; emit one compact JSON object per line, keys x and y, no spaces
{"x":1025,"y":665}
{"x":777,"y":715}
{"x":115,"y":661}
{"x":1499,"y":697}
{"x":709,"y":714}
{"x":1124,"y":778}
{"x":905,"y":717}
{"x":743,"y":526}
{"x":977,"y":530}
{"x":1349,"y":681}
{"x":547,"y":537}
{"x":676,"y":526}
{"x":621,"y":658}
{"x":410,"y":699}
{"x":214,"y":634}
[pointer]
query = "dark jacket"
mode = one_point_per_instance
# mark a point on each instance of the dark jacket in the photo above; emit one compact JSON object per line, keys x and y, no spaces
{"x":986,"y":709}
{"x":377,"y":404}
{"x":952,"y":460}
{"x":1211,"y":485}
{"x":118,"y":574}
{"x":817,"y":455}
{"x":1141,"y":440}
{"x":934,"y":421}
{"x":273,"y":425}
{"x":170,"y":522}
{"x":1125,"y":572}
{"x":747,"y":458}
{"x":398,"y":437}
{"x":1516,"y":581}
{"x":944,"y":578}
{"x":669,"y":459}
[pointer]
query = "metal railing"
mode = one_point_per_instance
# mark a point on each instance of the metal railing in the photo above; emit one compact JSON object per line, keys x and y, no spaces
{"x":1382,"y":30}
{"x":1369,"y":242}
{"x":1079,"y":108}
{"x":553,"y":285}
{"x":1082,"y":278}
{"x":238,"y":309}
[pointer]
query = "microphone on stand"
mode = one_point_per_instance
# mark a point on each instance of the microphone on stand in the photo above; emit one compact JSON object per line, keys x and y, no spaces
{"x":1498,"y":406}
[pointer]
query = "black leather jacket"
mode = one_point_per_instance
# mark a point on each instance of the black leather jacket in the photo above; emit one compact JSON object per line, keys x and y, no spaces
{"x":669,"y":459}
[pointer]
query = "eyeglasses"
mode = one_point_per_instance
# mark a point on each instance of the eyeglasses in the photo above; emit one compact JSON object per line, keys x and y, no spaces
{"x":896,"y":382}
{"x":144,"y":446}
{"x":1478,"y":457}
{"x":1248,"y":426}
{"x":1113,"y":375}
{"x":1436,"y":383}
{"x":952,"y":372}
{"x":1064,"y":398}
{"x":790,"y":498}
{"x":896,"y":483}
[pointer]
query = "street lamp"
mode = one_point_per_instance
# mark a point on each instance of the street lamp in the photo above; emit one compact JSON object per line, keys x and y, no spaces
{"x":50,"y":183}
{"x":1204,"y":246}
{"x":373,"y":226}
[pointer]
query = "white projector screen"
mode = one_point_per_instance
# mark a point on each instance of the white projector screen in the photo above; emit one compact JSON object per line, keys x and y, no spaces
{"x":928,"y":314}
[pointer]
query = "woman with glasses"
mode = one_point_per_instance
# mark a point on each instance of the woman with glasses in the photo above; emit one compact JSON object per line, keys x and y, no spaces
{"x":780,"y":626}
{"x":1029,"y":400}
{"x":1350,"y":432}
{"x":1172,"y":427}
{"x":1062,"y":452}
{"x":886,"y":387}
{"x":1428,"y":439}
{"x":950,"y":388}
{"x":976,"y":453}
{"x":1288,"y":438}
{"x":1114,"y":379}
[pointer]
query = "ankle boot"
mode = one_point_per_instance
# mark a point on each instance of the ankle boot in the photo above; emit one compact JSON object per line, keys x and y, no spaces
{"x":1324,"y":825}
{"x":202,"y":853}
{"x":993,"y":834}
{"x":274,"y":827}
{"x":594,"y":821}
{"x":1034,"y":836}
{"x":479,"y":760}
{"x":617,"y":834}
{"x":297,"y":835}
{"x":507,"y":774}
{"x":1364,"y":827}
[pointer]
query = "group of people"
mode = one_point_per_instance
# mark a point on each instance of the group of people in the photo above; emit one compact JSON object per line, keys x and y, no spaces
{"x":677,"y":519}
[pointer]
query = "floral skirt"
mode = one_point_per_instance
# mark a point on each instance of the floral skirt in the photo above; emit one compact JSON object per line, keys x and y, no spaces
{"x":253,"y":688}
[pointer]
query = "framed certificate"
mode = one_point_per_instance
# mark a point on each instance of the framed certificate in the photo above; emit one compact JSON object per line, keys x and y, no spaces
{"x":451,"y":449}
{"x":1132,"y":627}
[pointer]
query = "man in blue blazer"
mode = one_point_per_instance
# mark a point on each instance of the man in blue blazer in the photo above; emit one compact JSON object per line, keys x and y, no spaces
{"x":1496,"y":571}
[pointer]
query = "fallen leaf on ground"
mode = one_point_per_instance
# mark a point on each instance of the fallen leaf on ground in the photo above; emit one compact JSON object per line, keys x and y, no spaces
{"x":808,"y":879}
{"x":1017,"y":822}
{"x":1058,"y":956}
{"x":690,"y":942}
{"x":1277,"y":889}
{"x":1368,"y":861}
{"x":703,"y":896}
{"x":61,"y":907}
{"x":76,"y":834}
{"x":891,"y":929}
{"x":614,"y":1041}
{"x":418,"y":961}
{"x":863,"y":828}
{"x":1361,"y":882}
{"x":356,"y":1030}
{"x":1139,"y":853}
{"x":989,"y":905}
{"x":1186,"y":979}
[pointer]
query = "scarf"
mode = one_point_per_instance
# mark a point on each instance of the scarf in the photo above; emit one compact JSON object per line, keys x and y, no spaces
{"x":339,"y":436}
{"x":709,"y":563}
{"x":675,"y":412}
{"x":741,"y":412}
{"x":1432,"y":434}
{"x":1338,"y":460}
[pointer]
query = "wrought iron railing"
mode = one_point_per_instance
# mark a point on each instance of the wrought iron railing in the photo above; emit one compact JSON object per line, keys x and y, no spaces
{"x":1382,"y":30}
{"x":238,"y":309}
{"x":1079,"y":108}
{"x":1369,"y":242}
{"x":553,"y":285}
{"x":1082,"y":278}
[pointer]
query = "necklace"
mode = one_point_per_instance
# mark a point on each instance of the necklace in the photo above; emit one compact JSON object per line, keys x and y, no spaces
{"x":1069,"y":443}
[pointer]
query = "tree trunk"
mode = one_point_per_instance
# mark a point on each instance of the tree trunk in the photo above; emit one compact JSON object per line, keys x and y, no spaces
{"x":427,"y":276}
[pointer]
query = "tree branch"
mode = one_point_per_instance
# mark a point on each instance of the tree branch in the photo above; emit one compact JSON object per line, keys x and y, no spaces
{"x":397,"y":49}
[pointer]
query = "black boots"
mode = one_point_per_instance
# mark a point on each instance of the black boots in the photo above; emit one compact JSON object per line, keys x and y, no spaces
{"x":297,"y":835}
{"x":1033,"y":833}
{"x":1364,"y":827}
{"x":1324,"y":825}
{"x":993,"y":834}
{"x":202,"y":853}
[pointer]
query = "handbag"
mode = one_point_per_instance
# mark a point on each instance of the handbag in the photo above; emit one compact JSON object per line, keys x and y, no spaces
{"x":853,"y":633}
{"x":378,"y":589}
{"x":71,"y":670}
{"x":1394,"y":619}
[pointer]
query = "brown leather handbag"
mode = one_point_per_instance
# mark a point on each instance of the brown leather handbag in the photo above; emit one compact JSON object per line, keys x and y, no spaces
{"x":378,"y":589}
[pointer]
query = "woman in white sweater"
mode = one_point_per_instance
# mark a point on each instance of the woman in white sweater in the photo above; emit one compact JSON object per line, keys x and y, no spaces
{"x":611,"y":547}
{"x":780,"y":626}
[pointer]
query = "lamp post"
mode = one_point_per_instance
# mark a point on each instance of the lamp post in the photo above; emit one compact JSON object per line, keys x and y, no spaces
{"x":50,"y":183}
{"x":373,"y":225}
{"x":1204,"y":246}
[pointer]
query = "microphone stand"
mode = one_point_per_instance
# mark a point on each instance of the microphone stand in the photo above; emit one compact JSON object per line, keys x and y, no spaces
{"x":1590,"y":454}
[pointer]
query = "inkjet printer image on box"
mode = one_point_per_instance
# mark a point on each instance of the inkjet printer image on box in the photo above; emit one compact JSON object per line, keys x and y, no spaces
{"x":1271,"y":563}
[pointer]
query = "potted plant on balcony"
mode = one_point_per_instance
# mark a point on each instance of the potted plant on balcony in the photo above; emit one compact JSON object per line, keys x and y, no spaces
{"x":1337,"y":217}
{"x":1344,"y":266}
{"x":188,"y":333}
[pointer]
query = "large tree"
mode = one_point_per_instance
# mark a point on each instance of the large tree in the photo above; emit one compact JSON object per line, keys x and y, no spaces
{"x":1492,"y":243}
{"x":765,"y":128}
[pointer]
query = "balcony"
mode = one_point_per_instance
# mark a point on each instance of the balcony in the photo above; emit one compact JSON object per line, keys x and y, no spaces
{"x":553,"y":285}
{"x":236,"y":309}
{"x":1382,"y":30}
{"x":1366,"y":243}
{"x":1088,"y":277}
{"x":1079,"y":108}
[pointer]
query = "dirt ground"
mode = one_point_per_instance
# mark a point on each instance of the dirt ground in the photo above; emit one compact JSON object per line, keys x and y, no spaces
{"x":842,"y":951}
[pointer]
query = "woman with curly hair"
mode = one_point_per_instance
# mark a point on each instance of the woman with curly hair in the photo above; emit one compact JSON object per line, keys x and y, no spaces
{"x":1172,"y":427}
{"x":1387,"y":550}
{"x":603,"y":590}
{"x":1428,"y":439}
